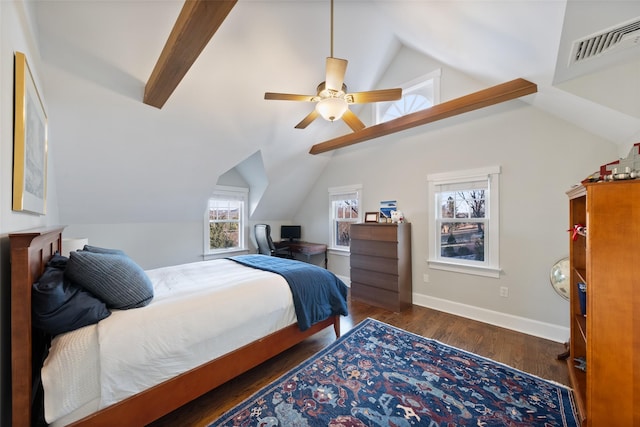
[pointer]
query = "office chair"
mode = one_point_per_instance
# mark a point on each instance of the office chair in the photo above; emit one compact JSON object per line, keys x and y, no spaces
{"x":266,"y":245}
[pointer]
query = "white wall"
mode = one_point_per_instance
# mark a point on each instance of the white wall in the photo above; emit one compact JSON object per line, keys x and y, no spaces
{"x":150,"y":245}
{"x":15,"y":35}
{"x":153,"y":245}
{"x":541,"y":157}
{"x":159,"y":244}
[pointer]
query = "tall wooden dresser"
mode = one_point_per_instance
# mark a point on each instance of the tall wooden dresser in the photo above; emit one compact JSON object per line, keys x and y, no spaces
{"x":381,"y":264}
{"x":607,"y":259}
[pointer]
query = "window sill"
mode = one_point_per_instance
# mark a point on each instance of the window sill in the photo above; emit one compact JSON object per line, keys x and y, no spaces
{"x":339,"y":251}
{"x":466,"y":269}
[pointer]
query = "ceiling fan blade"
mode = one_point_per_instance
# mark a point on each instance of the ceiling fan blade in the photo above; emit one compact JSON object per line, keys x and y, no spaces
{"x":288,"y":97}
{"x":336,"y":69}
{"x":307,"y":120}
{"x":374,"y":96}
{"x":352,"y":120}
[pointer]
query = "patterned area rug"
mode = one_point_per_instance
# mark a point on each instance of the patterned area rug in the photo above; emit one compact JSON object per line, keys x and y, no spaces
{"x":379,"y":375}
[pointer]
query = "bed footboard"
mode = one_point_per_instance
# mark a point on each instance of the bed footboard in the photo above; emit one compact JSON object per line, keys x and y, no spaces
{"x":151,"y":404}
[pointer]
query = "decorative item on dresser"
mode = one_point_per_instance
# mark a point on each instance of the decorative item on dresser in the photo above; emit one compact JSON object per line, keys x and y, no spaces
{"x":604,"y":362}
{"x":371,"y":217}
{"x":381,"y":264}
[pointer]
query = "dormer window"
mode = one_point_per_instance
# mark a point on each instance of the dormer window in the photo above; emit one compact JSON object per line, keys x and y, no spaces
{"x":225,"y":220}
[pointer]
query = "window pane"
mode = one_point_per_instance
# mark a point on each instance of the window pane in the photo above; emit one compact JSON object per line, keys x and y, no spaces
{"x":224,"y":210}
{"x":462,"y":240}
{"x":475,"y":202}
{"x":224,"y":235}
{"x":342,"y":233}
{"x":353,"y":209}
{"x":234,"y":214}
{"x":448,"y":205}
{"x":463,"y":204}
{"x":407,"y":104}
{"x":346,"y":209}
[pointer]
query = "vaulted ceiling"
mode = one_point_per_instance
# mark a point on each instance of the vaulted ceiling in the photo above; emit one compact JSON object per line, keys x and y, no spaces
{"x":117,"y":159}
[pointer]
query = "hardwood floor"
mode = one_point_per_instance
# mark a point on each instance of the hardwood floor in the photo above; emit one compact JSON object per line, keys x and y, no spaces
{"x":534,"y":355}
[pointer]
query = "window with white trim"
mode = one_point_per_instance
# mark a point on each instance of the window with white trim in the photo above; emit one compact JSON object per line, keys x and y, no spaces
{"x":464,"y":231}
{"x":344,"y":210}
{"x":418,"y":94}
{"x":225,"y":220}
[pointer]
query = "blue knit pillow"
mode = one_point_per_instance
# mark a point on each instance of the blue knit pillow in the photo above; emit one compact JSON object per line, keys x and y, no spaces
{"x":100,"y":250}
{"x":114,"y":278}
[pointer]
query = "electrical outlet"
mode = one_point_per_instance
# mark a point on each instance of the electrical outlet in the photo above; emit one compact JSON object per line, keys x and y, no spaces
{"x":425,"y":278}
{"x":504,"y":291}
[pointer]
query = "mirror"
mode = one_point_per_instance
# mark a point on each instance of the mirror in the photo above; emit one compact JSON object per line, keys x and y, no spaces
{"x":559,"y":277}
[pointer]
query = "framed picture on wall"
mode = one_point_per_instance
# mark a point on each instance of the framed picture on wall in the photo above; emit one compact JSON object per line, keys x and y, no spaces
{"x":29,"y":142}
{"x":371,"y":217}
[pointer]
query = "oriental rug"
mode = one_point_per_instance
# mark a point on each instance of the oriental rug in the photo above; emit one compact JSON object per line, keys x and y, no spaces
{"x":379,"y":375}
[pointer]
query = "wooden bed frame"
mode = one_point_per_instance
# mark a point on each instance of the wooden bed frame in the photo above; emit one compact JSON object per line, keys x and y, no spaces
{"x":30,"y":251}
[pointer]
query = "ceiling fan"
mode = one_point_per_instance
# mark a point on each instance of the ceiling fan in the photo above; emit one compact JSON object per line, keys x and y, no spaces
{"x":332,"y":99}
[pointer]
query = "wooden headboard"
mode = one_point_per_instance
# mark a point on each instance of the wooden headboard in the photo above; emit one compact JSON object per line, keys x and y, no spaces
{"x":30,"y":252}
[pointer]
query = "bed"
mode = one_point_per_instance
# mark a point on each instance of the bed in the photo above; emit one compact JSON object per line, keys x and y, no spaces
{"x":31,"y":251}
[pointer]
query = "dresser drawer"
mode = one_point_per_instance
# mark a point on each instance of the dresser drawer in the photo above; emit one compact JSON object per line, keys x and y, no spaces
{"x":377,"y":297}
{"x":374,"y":248}
{"x":387,"y":233}
{"x":374,"y":263}
{"x":375,"y":279}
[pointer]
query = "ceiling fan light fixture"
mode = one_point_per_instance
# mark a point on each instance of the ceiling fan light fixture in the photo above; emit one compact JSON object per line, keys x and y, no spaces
{"x":332,"y":100}
{"x":332,"y":109}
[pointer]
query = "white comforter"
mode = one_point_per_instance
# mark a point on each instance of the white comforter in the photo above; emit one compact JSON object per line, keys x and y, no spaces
{"x":200,"y":311}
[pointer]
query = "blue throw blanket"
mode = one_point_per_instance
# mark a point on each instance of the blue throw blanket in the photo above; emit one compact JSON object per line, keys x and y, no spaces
{"x":317,"y":293}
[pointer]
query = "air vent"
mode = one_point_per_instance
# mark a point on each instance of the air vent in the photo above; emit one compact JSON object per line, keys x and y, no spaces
{"x":621,"y":36}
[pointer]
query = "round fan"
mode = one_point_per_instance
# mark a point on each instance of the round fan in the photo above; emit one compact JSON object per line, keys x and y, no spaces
{"x":559,"y":277}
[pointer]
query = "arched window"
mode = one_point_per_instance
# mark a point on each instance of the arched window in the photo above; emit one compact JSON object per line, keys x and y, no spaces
{"x":418,"y":94}
{"x":407,"y":104}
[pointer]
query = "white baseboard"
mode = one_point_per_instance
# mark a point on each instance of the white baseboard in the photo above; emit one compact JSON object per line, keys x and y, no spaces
{"x":521,"y":324}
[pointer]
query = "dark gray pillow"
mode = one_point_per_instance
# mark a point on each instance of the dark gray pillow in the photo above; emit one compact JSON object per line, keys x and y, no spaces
{"x":99,"y":250}
{"x":58,"y":261}
{"x":115,"y":279}
{"x":59,"y":306}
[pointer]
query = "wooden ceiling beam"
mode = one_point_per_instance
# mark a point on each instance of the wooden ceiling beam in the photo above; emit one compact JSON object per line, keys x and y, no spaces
{"x":197,"y":23}
{"x":484,"y":98}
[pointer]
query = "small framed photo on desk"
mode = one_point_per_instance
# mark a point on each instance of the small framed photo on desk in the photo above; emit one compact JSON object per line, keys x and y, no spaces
{"x":371,"y":216}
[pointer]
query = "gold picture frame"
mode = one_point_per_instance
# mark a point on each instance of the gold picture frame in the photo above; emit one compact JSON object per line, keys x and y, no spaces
{"x":29,"y":142}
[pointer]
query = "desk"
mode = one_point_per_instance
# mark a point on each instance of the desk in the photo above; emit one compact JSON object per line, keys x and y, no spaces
{"x":305,"y":248}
